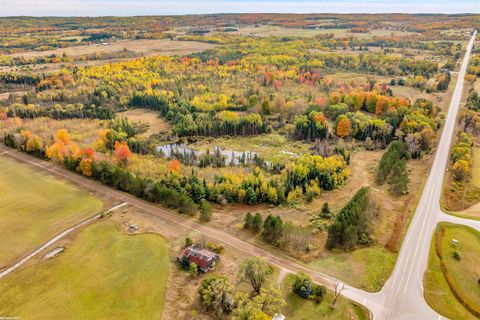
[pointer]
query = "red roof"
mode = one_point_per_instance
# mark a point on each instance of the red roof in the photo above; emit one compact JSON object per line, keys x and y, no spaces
{"x":202,"y":257}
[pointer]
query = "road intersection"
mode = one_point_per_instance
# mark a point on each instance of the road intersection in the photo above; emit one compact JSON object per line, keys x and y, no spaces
{"x":402,"y":296}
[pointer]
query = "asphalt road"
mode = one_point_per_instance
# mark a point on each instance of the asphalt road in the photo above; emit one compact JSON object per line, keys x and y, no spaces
{"x":402,"y":295}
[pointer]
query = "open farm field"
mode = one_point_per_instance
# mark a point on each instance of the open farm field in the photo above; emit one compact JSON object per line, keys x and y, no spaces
{"x":102,"y":274}
{"x":143,"y":47}
{"x":316,"y":141}
{"x":35,"y":207}
{"x":266,"y":31}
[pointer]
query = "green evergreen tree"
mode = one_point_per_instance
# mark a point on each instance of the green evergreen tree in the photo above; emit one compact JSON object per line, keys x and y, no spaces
{"x":272,"y":229}
{"x":248,"y":221}
{"x":257,"y":222}
{"x":205,"y":211}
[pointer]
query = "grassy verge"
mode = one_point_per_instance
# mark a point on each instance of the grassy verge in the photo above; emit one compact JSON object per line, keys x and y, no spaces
{"x":34,"y":207}
{"x":301,"y":309}
{"x":366,"y":268}
{"x":463,"y":274}
{"x":103,"y":275}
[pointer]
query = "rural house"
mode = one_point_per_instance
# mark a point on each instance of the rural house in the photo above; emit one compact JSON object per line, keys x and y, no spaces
{"x":205,"y":259}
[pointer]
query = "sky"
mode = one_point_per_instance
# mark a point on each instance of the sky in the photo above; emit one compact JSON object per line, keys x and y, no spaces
{"x":167,"y":7}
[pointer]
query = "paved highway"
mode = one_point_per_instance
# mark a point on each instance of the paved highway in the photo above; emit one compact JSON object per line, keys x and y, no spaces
{"x":402,"y":296}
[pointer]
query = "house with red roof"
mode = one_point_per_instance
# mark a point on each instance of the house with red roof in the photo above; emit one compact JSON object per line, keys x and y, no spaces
{"x":206,"y":260}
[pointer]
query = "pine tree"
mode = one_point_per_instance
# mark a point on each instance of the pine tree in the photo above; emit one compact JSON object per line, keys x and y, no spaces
{"x":257,"y":222}
{"x":248,"y":222}
{"x":272,"y":229}
{"x":325,"y":213}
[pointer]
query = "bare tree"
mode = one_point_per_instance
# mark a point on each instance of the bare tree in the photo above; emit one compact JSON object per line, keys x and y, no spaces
{"x":338,"y":291}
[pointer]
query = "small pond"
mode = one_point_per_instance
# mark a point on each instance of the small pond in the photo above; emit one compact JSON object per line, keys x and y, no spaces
{"x":232,"y":157}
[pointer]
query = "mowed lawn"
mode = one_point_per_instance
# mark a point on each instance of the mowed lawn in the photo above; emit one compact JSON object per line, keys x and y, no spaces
{"x":35,"y":207}
{"x":365,"y":268}
{"x":302,"y":309}
{"x":464,"y":273}
{"x":104,"y":274}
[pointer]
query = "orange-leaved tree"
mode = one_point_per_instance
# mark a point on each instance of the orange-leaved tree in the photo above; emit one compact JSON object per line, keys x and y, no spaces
{"x":122,"y":152}
{"x":174,"y":165}
{"x":344,"y":128}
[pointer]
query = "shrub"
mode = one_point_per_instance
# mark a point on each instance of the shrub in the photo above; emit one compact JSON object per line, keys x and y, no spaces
{"x":217,"y":248}
{"x":305,"y":288}
{"x":457,"y":255}
{"x":193,"y":269}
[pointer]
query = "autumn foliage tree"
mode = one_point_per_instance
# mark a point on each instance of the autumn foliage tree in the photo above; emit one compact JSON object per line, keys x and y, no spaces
{"x":122,"y":152}
{"x":344,"y":128}
{"x":58,"y":149}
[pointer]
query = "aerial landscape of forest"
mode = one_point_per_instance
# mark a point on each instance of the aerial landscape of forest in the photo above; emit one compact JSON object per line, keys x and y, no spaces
{"x":240,"y":166}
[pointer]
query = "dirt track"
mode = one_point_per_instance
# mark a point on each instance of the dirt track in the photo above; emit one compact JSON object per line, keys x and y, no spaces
{"x":173,"y":219}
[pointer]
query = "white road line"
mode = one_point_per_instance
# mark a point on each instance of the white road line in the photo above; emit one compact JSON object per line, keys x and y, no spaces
{"x":426,"y":214}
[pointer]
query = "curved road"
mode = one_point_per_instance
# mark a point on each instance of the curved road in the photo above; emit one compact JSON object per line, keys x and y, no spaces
{"x":402,"y":295}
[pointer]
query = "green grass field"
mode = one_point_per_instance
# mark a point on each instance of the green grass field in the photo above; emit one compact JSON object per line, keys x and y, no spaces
{"x":301,"y":309}
{"x":465,"y":272}
{"x":104,"y":274}
{"x":35,"y":207}
{"x":365,"y":268}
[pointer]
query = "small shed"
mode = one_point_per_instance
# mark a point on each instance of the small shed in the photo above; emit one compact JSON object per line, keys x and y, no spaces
{"x":278,"y":317}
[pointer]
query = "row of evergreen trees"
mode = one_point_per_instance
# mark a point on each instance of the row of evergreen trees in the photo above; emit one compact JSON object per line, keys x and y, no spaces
{"x":351,"y":226}
{"x":187,"y":121}
{"x":59,"y":112}
{"x":393,"y":168}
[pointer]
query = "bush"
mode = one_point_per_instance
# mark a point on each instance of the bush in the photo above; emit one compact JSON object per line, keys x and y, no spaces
{"x":302,"y":286}
{"x":457,"y":255}
{"x":217,"y":248}
{"x":305,"y":288}
{"x":326,"y":213}
{"x":193,"y":269}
